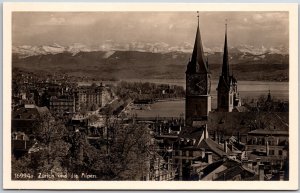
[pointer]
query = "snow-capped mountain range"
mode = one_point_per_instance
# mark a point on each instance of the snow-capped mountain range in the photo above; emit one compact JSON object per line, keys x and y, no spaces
{"x":27,"y":50}
{"x":158,"y":47}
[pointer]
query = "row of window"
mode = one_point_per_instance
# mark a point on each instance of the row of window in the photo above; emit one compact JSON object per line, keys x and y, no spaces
{"x":61,"y":104}
{"x":262,"y":141}
{"x":271,"y":151}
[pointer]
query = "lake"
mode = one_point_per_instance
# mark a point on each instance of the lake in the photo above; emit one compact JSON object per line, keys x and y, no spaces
{"x":247,"y":90}
{"x":251,"y":89}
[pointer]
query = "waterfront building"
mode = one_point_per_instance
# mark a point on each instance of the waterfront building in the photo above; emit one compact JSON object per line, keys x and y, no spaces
{"x":95,"y":95}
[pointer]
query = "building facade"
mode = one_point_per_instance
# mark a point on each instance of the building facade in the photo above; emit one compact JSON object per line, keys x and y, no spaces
{"x":98,"y":96}
{"x":62,"y":104}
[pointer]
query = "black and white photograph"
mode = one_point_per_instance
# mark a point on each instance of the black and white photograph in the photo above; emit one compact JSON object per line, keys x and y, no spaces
{"x":175,"y":95}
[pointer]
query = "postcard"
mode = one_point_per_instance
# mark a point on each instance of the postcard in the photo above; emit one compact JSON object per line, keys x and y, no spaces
{"x":150,"y":96}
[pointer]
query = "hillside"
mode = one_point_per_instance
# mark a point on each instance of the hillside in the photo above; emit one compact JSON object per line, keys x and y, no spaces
{"x":147,"y":65}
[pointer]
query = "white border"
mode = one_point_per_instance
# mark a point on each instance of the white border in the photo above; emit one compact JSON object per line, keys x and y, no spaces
{"x":292,"y":8}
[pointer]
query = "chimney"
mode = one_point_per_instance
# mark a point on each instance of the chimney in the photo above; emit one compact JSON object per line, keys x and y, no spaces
{"x":200,"y":175}
{"x":225,"y":146}
{"x":267,"y":148}
{"x":250,"y":164}
{"x":258,"y":161}
{"x":205,"y":132}
{"x":281,"y":175}
{"x":209,"y":157}
{"x":169,"y":163}
{"x":202,"y":153}
{"x":245,"y":163}
{"x":239,"y":137}
{"x":261,"y":172}
{"x":194,"y":141}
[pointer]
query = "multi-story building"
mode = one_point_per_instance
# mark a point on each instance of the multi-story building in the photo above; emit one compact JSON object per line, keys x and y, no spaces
{"x":271,"y":143}
{"x":62,"y":104}
{"x":92,"y":95}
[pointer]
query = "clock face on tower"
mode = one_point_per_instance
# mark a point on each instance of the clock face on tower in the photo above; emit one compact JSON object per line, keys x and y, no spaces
{"x":197,"y":84}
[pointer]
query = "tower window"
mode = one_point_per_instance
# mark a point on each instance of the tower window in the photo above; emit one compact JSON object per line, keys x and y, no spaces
{"x":231,"y":99}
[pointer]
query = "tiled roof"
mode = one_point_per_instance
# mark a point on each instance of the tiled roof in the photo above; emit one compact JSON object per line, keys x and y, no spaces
{"x":191,"y":132}
{"x":208,"y":144}
{"x":228,"y":163}
{"x":211,"y":145}
{"x":268,"y":132}
{"x":211,"y":167}
{"x":241,"y":109}
{"x":233,"y":122}
{"x":232,"y":169}
{"x":29,"y":113}
{"x":264,"y":158}
{"x":231,"y":172}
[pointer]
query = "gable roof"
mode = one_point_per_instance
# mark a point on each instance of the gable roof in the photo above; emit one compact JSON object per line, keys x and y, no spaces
{"x":231,"y":172}
{"x":268,"y":132}
{"x":213,"y":146}
{"x":29,"y":113}
{"x":243,"y":122}
{"x":228,"y":163}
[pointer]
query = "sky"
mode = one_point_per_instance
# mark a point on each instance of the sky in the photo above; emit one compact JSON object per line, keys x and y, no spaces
{"x":268,"y":29}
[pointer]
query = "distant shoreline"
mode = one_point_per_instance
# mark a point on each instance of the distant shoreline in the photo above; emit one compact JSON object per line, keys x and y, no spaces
{"x":179,"y":82}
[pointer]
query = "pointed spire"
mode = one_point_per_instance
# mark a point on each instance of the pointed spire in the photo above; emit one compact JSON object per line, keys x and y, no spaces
{"x":197,"y":63}
{"x":198,"y":18}
{"x":225,"y":67}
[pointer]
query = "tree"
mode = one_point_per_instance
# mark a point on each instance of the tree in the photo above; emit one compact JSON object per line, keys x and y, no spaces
{"x":127,"y":157}
{"x":129,"y":152}
{"x":61,"y":151}
{"x":20,"y":166}
{"x":49,"y":151}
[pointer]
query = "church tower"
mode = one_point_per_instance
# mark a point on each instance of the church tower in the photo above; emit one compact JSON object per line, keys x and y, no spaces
{"x":198,"y":83}
{"x":228,"y":97}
